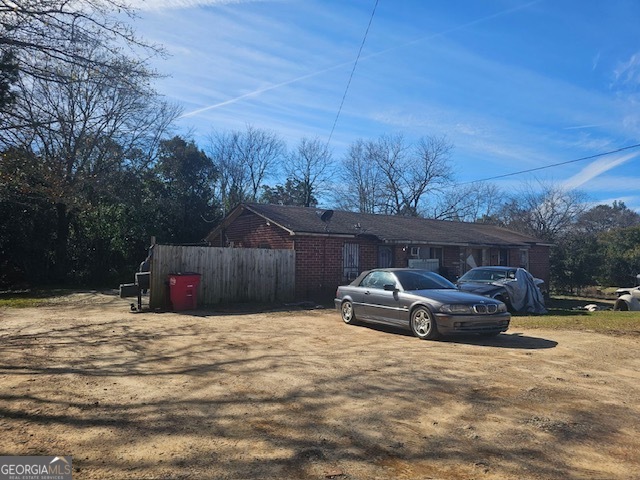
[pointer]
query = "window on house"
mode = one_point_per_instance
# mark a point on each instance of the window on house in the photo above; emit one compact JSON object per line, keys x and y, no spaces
{"x":436,"y":252}
{"x":350,"y":260}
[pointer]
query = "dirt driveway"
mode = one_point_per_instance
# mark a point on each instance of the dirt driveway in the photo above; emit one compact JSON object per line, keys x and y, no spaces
{"x":301,"y":395}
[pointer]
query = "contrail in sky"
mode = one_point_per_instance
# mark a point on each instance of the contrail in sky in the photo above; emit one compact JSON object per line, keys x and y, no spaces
{"x":595,"y":169}
{"x":261,"y":90}
{"x":343,"y":64}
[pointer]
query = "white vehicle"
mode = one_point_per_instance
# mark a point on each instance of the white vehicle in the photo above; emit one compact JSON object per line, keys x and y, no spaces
{"x":628,"y":299}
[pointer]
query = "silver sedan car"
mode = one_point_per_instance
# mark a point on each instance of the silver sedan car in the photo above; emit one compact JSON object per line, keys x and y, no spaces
{"x":426,"y":303}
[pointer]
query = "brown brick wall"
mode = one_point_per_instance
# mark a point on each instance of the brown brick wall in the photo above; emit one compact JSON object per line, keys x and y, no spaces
{"x":539,"y":265}
{"x":319,"y":262}
{"x":368,"y":255}
{"x":251,"y":231}
{"x":450,"y":267}
{"x":514,"y":258}
{"x":400,"y":256}
{"x":318,"y":266}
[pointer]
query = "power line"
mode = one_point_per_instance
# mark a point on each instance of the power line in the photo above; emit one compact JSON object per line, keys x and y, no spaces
{"x":622,"y":149}
{"x":344,"y":95}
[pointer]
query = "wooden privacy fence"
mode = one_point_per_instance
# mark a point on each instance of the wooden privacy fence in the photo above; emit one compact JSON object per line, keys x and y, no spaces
{"x":228,"y":275}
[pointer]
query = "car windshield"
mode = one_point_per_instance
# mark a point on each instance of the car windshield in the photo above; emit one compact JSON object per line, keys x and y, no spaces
{"x":485,"y":275}
{"x":422,"y":280}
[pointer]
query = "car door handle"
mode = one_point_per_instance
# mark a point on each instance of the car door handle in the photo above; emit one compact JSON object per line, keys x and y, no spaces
{"x":367,"y":292}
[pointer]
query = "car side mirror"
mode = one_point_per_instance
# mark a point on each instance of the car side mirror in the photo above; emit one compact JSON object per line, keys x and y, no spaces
{"x":390,"y":287}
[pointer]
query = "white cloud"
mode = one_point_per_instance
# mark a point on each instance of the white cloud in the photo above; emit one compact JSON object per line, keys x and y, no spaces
{"x":614,"y":185}
{"x":156,"y":5}
{"x":583,"y":127}
{"x":595,"y":169}
{"x":596,"y":61}
{"x":628,"y":73}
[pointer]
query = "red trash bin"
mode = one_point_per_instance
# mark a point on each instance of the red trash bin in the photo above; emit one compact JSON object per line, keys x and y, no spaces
{"x":183,"y":289}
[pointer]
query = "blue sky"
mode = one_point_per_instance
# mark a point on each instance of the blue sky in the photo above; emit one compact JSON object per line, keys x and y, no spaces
{"x":513,"y":84}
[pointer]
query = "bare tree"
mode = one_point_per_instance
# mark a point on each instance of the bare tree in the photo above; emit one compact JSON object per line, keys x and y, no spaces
{"x":428,"y":172}
{"x":390,"y":176}
{"x":41,"y":33}
{"x":308,"y":166}
{"x":359,"y":181}
{"x":260,"y":151}
{"x":8,"y":76}
{"x":245,"y":159}
{"x":232,"y":180}
{"x":543,"y":211}
{"x":389,"y":153}
{"x":467,"y":203}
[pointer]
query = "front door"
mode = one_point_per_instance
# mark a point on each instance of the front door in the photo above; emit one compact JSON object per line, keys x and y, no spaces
{"x":385,"y":256}
{"x":350,"y":261}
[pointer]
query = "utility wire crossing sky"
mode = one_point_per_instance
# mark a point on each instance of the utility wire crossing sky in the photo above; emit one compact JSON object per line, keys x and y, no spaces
{"x":524,"y":90}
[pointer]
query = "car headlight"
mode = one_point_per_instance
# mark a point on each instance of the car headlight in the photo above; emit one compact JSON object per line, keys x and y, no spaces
{"x":456,"y":308}
{"x":502,"y":308}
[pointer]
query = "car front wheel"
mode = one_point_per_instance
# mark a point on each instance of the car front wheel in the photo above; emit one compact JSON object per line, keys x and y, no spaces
{"x":621,"y":306}
{"x":423,"y":325}
{"x":348,"y":315}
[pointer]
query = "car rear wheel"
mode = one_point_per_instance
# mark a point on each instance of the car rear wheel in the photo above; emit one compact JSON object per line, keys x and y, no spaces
{"x":423,"y":325}
{"x":348,"y":315}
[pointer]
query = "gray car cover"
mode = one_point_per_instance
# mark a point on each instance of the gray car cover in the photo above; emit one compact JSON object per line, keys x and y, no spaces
{"x":524,"y":295}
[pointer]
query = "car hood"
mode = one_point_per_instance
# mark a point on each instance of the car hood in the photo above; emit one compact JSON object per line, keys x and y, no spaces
{"x":626,"y":291}
{"x":480,"y":288}
{"x":449,"y":295}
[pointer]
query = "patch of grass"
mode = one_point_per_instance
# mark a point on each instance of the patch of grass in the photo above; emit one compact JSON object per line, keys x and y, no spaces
{"x":30,"y":298}
{"x":563,"y":316}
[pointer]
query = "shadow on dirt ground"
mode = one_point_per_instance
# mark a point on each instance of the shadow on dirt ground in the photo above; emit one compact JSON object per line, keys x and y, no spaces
{"x":300,"y":395}
{"x":504,"y":340}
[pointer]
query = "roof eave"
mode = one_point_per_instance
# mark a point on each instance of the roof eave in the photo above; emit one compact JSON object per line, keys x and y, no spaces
{"x":270,"y":220}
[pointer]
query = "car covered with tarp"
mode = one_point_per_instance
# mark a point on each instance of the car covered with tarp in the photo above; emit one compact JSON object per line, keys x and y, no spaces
{"x":516,"y":287}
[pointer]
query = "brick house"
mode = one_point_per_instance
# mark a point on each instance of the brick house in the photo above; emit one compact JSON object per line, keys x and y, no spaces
{"x":333,"y":247}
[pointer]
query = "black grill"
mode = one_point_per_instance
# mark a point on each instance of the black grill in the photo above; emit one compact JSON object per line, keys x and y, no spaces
{"x":483,"y":309}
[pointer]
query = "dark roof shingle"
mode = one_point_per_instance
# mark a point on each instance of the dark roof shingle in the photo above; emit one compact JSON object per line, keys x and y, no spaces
{"x":389,"y":228}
